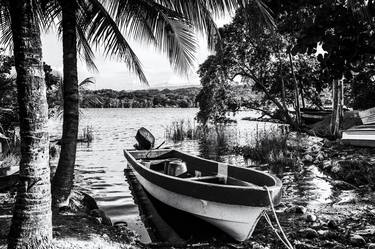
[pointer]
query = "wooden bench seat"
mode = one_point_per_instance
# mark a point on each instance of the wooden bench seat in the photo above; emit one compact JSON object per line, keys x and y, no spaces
{"x":218,"y":179}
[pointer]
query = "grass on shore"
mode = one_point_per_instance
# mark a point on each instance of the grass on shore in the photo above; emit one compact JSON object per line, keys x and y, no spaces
{"x":272,"y":147}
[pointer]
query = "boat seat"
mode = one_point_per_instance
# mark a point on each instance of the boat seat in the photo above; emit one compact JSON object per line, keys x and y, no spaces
{"x":236,"y":182}
{"x":156,"y":164}
{"x":218,"y":179}
{"x":209,"y":179}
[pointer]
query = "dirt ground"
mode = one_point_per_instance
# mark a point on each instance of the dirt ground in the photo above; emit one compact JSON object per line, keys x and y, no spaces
{"x":72,"y":229}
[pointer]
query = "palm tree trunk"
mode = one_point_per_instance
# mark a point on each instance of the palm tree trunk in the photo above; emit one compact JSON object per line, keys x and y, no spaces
{"x":64,"y":177}
{"x":32,"y":221}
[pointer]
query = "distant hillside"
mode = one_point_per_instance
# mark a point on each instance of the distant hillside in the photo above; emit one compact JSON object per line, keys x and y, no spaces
{"x":174,"y":87}
{"x":108,"y":98}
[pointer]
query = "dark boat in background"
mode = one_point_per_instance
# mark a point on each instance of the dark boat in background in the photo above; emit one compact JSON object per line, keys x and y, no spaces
{"x":229,"y":197}
{"x":311,"y":116}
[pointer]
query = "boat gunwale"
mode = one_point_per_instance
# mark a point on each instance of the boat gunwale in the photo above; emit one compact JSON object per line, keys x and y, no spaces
{"x":277,"y":182}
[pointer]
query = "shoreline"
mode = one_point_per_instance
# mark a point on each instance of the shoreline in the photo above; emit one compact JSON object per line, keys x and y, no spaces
{"x":344,"y":220}
{"x":82,"y":225}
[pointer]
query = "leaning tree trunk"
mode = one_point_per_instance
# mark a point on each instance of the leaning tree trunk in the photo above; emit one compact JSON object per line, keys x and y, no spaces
{"x":64,"y":177}
{"x":337,"y":108}
{"x":296,"y":93}
{"x":32,"y":222}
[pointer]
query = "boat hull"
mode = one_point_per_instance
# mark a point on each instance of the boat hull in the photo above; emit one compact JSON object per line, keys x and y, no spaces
{"x":363,"y":136}
{"x":311,"y":116}
{"x":238,"y":221}
{"x":234,"y":207}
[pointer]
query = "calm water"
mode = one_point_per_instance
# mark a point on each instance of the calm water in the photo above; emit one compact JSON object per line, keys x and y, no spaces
{"x":100,"y":164}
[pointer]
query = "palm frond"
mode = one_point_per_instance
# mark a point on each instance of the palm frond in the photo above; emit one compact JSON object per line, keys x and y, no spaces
{"x":85,"y":50}
{"x":51,"y":10}
{"x":152,"y":23}
{"x":101,"y":29}
{"x":6,"y":38}
{"x":201,"y":13}
{"x":86,"y":82}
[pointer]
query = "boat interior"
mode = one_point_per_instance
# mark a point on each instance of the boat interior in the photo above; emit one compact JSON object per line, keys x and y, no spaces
{"x":181,"y":165}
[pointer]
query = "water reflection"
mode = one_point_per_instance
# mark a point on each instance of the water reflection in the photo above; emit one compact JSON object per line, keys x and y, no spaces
{"x":100,"y":164}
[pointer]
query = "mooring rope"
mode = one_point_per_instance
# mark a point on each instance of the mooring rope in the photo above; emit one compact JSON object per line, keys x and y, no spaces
{"x":285,"y":240}
{"x":274,"y":229}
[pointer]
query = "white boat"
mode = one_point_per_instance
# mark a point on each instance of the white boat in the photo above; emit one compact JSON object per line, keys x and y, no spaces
{"x":229,"y":197}
{"x":362,"y":135}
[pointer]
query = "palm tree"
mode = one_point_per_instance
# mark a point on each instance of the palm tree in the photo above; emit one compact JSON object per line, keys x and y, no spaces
{"x":80,"y":18}
{"x":31,"y":224}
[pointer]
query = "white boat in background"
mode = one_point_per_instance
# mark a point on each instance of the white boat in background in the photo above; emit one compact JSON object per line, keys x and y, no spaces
{"x":362,"y":135}
{"x":229,"y":197}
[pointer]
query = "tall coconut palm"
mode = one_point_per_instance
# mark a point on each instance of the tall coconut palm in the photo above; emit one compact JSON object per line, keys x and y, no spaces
{"x":89,"y":18}
{"x":63,"y":180}
{"x":31,"y":224}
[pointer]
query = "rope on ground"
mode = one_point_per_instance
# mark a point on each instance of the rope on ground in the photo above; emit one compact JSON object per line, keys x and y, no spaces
{"x":285,"y":240}
{"x":275,"y":230}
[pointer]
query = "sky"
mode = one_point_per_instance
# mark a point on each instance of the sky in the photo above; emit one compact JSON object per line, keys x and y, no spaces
{"x":114,"y":74}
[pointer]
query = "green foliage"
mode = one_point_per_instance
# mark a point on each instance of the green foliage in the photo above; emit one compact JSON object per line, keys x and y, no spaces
{"x":217,"y":96}
{"x":258,"y":58}
{"x":362,"y":90}
{"x":7,"y":83}
{"x":345,"y":29}
{"x":184,"y":97}
{"x":8,"y":94}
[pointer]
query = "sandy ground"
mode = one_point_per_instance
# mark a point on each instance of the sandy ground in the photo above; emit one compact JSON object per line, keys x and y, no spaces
{"x":72,"y":229}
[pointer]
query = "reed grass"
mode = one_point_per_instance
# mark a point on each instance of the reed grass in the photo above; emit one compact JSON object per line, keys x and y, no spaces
{"x":87,"y":134}
{"x":181,"y":130}
{"x":272,"y":147}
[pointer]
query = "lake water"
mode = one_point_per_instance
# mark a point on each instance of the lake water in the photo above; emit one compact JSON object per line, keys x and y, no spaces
{"x":100,"y":165}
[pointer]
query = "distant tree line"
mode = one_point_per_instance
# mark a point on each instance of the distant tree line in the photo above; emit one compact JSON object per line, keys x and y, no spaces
{"x":108,"y":98}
